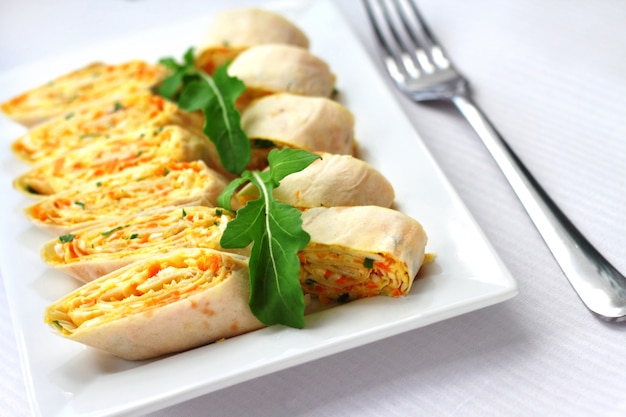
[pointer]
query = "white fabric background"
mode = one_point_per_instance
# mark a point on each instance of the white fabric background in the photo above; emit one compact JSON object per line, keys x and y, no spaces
{"x":552,"y":78}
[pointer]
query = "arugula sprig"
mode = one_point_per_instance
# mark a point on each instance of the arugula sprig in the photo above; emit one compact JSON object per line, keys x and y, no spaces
{"x":215,"y":96}
{"x":275,"y":229}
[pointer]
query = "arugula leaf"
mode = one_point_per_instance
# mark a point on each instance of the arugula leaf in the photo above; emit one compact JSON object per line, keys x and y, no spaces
{"x":215,"y":96}
{"x":181,"y":74}
{"x":275,"y":229}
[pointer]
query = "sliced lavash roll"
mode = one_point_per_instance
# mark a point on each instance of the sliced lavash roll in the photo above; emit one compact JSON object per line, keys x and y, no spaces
{"x":361,"y":251}
{"x":91,"y":252}
{"x":123,"y":151}
{"x":96,"y":82}
{"x":334,"y":180}
{"x":162,"y":184}
{"x":165,"y":304}
{"x":233,"y":31}
{"x":100,"y":122}
{"x":315,"y":124}
{"x":274,"y":68}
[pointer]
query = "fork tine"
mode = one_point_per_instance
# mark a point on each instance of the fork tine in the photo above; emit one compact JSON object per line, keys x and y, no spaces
{"x":435,"y":50}
{"x":392,"y":58}
{"x":415,"y":43}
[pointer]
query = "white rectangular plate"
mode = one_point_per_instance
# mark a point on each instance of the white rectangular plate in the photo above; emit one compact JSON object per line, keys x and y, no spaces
{"x":66,"y":378}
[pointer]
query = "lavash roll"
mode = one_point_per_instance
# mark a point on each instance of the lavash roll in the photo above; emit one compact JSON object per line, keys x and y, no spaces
{"x":334,"y":180}
{"x":93,"y":83}
{"x":114,"y":155}
{"x":165,"y":184}
{"x":98,"y":250}
{"x":274,"y":68}
{"x":315,"y":124}
{"x":361,"y":251}
{"x":165,"y":304}
{"x":99,"y":122}
{"x":233,"y":31}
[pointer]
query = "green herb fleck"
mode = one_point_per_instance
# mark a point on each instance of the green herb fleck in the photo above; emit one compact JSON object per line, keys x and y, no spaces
{"x":31,"y":190}
{"x":80,"y":204}
{"x":368,"y":263}
{"x":99,"y":184}
{"x":69,"y":116}
{"x":117,"y":106}
{"x":133,"y":236}
{"x":88,"y":135}
{"x":109,"y":232}
{"x":184,"y":213}
{"x":67,"y":238}
{"x":166,"y":171}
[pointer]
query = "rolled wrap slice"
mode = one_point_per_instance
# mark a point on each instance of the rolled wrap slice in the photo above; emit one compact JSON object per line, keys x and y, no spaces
{"x":274,"y":68}
{"x":334,"y":180}
{"x":95,"y":251}
{"x":314,"y":124}
{"x":91,"y":162}
{"x":162,"y":305}
{"x":100,"y":122}
{"x":233,"y":31}
{"x":171,"y":184}
{"x":358,"y":252}
{"x":96,"y":82}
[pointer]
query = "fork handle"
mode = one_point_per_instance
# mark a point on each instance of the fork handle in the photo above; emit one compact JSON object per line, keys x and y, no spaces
{"x":600,"y":286}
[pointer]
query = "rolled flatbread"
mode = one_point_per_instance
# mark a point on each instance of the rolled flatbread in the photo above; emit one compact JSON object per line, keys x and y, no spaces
{"x":358,"y":252}
{"x":233,"y":31}
{"x":315,"y":124}
{"x":334,"y":180}
{"x":166,"y":304}
{"x":99,"y":122}
{"x":97,"y":82}
{"x":101,"y":158}
{"x":273,"y":68}
{"x":167,"y":184}
{"x":95,"y":251}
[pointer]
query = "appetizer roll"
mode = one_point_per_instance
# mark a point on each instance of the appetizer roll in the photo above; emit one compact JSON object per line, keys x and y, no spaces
{"x":273,"y":68}
{"x":169,"y":184}
{"x":101,"y":158}
{"x":315,"y":124}
{"x":334,"y":180}
{"x":166,"y":304}
{"x":358,"y":252}
{"x":99,"y":122}
{"x":234,"y":31}
{"x":93,"y":83}
{"x":89,"y":253}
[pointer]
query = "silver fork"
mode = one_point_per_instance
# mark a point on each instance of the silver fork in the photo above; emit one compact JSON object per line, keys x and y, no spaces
{"x":420,"y":69}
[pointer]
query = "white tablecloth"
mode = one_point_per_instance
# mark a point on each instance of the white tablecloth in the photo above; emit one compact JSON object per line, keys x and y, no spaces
{"x":552,"y":78}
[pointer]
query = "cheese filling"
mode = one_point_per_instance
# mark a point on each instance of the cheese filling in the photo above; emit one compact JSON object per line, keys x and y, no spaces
{"x":139,"y":288}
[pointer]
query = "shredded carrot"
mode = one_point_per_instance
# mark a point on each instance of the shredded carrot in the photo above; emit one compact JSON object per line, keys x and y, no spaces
{"x":383,"y":266}
{"x":209,"y":263}
{"x":153,"y":269}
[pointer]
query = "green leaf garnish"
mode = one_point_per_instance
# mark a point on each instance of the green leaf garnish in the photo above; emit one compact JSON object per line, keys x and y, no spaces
{"x":275,"y":229}
{"x":215,"y":96}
